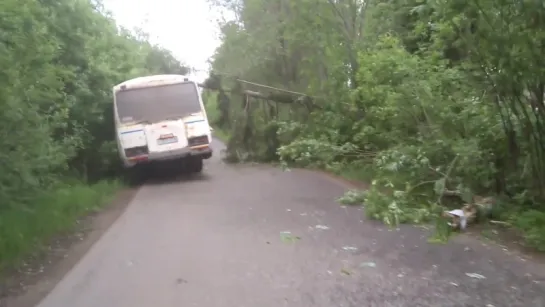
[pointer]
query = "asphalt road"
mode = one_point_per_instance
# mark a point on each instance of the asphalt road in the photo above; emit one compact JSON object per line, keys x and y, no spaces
{"x":221,"y":240}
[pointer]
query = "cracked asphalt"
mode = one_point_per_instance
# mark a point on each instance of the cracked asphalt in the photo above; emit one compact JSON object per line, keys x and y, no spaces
{"x":249,"y":236}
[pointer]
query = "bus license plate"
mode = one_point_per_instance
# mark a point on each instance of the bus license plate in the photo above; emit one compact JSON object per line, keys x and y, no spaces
{"x":167,"y":141}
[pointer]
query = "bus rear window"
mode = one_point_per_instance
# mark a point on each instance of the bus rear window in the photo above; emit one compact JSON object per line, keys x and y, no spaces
{"x":154,"y":104}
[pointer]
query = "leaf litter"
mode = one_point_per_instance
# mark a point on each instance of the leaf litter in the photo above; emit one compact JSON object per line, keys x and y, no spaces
{"x":288,"y":237}
{"x":369,"y":264}
{"x":475,"y":275}
{"x":350,"y":248}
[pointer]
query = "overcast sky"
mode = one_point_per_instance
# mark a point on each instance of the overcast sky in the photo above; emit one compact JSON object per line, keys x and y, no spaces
{"x":186,"y":27}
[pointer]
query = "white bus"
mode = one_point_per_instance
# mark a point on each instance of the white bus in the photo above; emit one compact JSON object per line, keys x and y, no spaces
{"x":160,"y":118}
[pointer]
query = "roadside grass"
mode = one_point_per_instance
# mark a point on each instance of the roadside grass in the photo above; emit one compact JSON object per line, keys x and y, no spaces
{"x":25,"y":229}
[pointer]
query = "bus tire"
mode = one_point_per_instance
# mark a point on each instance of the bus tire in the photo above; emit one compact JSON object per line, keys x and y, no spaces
{"x":195,"y":165}
{"x":137,"y":175}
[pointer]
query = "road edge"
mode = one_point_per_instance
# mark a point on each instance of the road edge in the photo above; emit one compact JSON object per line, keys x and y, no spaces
{"x":30,"y":289}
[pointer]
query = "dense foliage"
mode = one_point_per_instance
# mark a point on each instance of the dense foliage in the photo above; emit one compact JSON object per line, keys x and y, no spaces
{"x":60,"y":60}
{"x":422,"y":97}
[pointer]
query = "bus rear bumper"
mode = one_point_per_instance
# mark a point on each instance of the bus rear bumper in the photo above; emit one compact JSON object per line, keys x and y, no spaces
{"x":204,"y":152}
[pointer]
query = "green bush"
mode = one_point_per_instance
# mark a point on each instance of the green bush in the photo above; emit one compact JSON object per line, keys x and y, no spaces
{"x":532,"y":223}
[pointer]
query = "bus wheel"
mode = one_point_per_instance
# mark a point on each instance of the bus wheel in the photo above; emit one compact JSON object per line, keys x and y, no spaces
{"x":137,"y":175}
{"x":195,"y":165}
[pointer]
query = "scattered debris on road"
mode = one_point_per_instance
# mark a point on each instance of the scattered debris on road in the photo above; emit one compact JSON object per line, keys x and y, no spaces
{"x":460,"y":218}
{"x":475,"y":275}
{"x":287,"y":237}
{"x":350,"y":248}
{"x":323,"y":227}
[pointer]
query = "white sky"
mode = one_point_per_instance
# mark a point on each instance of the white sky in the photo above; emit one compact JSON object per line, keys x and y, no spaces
{"x":188,"y":28}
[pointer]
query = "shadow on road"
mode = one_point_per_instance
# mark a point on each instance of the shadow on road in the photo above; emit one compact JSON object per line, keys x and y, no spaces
{"x":158,"y":174}
{"x":158,"y":178}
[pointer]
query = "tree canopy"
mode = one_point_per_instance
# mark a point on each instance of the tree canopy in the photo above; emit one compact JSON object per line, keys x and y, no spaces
{"x":420,"y":96}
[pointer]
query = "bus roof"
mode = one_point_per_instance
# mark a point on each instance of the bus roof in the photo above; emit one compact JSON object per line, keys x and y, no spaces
{"x":155,"y":80}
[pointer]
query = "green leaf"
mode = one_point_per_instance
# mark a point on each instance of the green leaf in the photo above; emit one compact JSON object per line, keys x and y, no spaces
{"x":439,"y":186}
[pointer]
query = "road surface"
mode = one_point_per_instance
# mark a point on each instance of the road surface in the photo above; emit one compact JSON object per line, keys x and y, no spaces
{"x":221,"y":240}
